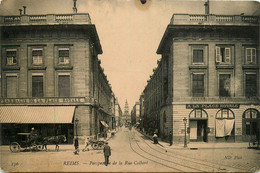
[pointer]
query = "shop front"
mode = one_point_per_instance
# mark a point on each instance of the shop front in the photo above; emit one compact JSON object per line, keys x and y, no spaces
{"x":46,"y":120}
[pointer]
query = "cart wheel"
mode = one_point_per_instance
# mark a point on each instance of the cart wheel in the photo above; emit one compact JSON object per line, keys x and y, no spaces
{"x":14,"y":147}
{"x":34,"y":147}
{"x":100,"y":145}
{"x":95,"y":146}
{"x":253,"y":144}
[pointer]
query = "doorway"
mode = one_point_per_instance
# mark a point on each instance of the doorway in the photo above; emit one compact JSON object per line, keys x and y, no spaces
{"x":198,"y":130}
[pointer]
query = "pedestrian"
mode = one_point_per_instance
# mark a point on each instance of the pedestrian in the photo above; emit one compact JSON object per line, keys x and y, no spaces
{"x":76,"y":145}
{"x":170,"y":138}
{"x":155,"y":140}
{"x":107,"y":153}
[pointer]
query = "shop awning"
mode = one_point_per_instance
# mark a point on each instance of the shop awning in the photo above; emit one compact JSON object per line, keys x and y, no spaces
{"x":104,"y":123}
{"x":36,"y":114}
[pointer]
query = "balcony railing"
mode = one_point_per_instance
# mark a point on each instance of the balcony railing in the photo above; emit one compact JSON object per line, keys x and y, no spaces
{"x":79,"y":18}
{"x":195,"y":19}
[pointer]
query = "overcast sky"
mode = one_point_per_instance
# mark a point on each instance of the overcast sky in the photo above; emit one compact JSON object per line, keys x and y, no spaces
{"x":129,"y":32}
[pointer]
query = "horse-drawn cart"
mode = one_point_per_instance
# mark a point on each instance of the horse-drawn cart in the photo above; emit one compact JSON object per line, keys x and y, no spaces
{"x":25,"y":141}
{"x":33,"y":142}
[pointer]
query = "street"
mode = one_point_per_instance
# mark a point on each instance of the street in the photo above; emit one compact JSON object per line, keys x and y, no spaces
{"x":131,"y":151}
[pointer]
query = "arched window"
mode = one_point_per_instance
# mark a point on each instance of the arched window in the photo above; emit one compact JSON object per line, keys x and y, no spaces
{"x":198,"y":114}
{"x":251,"y":114}
{"x":250,"y":117}
{"x":225,"y":114}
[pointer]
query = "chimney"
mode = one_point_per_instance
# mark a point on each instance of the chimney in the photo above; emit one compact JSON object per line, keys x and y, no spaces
{"x":21,"y":11}
{"x":207,"y":7}
{"x":24,"y":10}
{"x":75,"y":6}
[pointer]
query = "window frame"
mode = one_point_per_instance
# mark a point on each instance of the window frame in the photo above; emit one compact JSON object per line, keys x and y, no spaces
{"x":204,"y":48}
{"x":42,"y":56}
{"x":69,"y":55}
{"x":6,"y":57}
{"x":219,"y":50}
{"x":58,"y":84}
{"x":192,"y":84}
{"x":228,"y":111}
{"x":62,"y":73}
{"x":30,"y":87}
{"x":245,"y":83}
{"x":251,"y":56}
{"x":231,"y":84}
{"x":10,"y":74}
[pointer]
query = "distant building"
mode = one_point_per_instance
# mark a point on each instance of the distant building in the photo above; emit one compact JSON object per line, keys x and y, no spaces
{"x":135,"y":114}
{"x":51,"y":77}
{"x":126,"y":118}
{"x":208,"y":74}
{"x":118,"y":113}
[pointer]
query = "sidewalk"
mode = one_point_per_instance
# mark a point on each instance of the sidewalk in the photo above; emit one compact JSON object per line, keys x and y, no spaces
{"x":200,"y":145}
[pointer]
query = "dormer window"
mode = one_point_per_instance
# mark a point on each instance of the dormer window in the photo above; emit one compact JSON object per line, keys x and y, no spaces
{"x":11,"y":57}
{"x":64,"y":56}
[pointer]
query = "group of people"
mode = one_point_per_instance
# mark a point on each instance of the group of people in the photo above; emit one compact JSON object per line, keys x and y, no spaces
{"x":106,"y":149}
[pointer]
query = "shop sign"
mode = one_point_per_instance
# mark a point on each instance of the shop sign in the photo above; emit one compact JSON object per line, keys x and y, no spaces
{"x":42,"y":100}
{"x":212,"y":106}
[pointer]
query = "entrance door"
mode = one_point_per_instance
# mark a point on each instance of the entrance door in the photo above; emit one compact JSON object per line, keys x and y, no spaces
{"x":193,"y":130}
{"x":202,"y":130}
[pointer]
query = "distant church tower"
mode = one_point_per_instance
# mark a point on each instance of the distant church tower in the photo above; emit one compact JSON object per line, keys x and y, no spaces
{"x":126,"y":108}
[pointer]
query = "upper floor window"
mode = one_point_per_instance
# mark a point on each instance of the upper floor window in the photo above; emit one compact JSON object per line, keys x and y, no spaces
{"x":197,"y":56}
{"x":11,"y":57}
{"x":64,"y":85}
{"x":37,"y":86}
{"x":250,"y":55}
{"x":223,"y":54}
{"x":224,"y":85}
{"x":251,"y":85}
{"x":64,"y":56}
{"x":37,"y":58}
{"x":197,"y":85}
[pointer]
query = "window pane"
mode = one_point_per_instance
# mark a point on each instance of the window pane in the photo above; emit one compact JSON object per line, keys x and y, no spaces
{"x":247,"y":114}
{"x":37,"y":86}
{"x":224,"y":85}
{"x":224,"y":113}
{"x":11,"y":57}
{"x":198,"y":85}
{"x":251,"y":85}
{"x":11,"y":86}
{"x":254,"y":114}
{"x":64,"y":86}
{"x":198,"y":56}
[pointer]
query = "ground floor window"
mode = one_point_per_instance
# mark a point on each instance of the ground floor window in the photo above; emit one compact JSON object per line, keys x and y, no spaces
{"x":225,"y":122}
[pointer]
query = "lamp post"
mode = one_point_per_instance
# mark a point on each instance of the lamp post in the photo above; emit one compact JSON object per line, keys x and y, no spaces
{"x":185,"y":140}
{"x":76,"y":123}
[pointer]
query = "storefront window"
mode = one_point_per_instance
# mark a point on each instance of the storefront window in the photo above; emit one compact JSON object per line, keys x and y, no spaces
{"x":250,"y":117}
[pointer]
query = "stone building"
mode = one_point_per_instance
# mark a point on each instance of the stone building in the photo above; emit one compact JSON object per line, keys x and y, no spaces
{"x":51,"y":76}
{"x":118,"y":113}
{"x":135,"y":114}
{"x":208,"y":74}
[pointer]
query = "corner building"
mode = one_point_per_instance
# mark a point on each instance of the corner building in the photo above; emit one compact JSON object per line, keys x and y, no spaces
{"x":51,"y":76}
{"x":208,"y":74}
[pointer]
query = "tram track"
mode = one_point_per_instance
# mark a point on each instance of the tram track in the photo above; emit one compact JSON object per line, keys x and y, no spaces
{"x":200,"y":162}
{"x":162,"y":161}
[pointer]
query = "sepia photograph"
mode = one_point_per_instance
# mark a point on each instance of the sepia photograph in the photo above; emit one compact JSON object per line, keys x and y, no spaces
{"x":129,"y":86}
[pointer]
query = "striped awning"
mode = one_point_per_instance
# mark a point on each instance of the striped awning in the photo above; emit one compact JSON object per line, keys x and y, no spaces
{"x":36,"y":114}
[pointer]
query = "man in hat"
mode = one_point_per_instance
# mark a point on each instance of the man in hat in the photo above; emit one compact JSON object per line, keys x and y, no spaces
{"x":107,"y":153}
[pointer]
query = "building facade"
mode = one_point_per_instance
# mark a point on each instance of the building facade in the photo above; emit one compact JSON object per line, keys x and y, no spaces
{"x":135,"y":114}
{"x":51,"y":78}
{"x":118,"y":113}
{"x":208,"y":74}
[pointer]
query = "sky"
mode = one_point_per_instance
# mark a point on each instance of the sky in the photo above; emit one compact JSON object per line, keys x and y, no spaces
{"x":129,"y":32}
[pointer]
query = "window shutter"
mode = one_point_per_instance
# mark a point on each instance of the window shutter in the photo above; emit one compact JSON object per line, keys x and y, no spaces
{"x":218,"y":56}
{"x":253,"y":55}
{"x":227,"y":55}
{"x":248,"y":55}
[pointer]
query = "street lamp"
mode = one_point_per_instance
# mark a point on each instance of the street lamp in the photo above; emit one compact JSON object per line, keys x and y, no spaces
{"x":185,"y":140}
{"x":76,"y":123}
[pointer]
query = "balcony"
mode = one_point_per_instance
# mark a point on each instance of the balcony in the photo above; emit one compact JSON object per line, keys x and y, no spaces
{"x":202,"y":19}
{"x":48,"y":19}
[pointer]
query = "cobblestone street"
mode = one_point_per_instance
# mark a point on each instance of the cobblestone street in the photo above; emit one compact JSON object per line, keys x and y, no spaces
{"x":131,"y":151}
